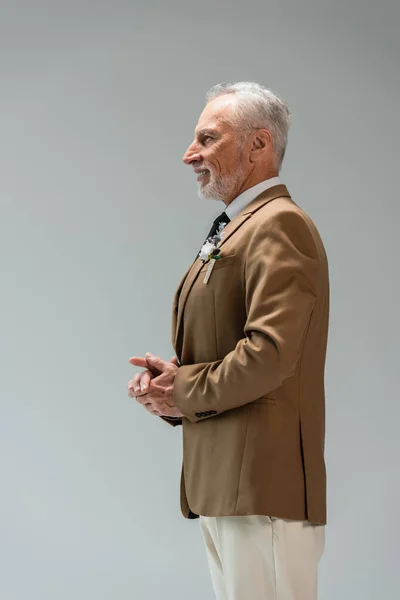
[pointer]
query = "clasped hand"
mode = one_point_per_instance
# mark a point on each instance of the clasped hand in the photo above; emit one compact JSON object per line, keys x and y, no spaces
{"x":153,"y":388}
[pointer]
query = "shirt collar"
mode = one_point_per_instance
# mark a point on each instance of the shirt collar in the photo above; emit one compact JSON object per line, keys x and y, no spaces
{"x":249,"y":195}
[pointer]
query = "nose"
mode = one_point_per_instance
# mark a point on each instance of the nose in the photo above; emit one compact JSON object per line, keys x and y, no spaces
{"x":191,"y":154}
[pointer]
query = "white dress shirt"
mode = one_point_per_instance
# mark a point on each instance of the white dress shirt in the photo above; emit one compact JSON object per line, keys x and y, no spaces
{"x":248,"y":195}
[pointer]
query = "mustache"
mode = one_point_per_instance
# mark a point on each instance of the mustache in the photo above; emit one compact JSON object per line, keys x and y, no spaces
{"x":201,"y":166}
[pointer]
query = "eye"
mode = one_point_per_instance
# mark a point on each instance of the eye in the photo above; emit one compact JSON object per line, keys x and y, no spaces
{"x":206,"y":137}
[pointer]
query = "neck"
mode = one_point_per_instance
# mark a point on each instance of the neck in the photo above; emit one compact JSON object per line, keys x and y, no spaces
{"x":250,"y":181}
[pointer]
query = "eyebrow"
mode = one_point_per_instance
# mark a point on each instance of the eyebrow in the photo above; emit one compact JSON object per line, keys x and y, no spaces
{"x":205,"y":131}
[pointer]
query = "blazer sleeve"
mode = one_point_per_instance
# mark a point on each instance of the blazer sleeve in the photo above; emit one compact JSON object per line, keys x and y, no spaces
{"x":281,"y":285}
{"x":174,"y":421}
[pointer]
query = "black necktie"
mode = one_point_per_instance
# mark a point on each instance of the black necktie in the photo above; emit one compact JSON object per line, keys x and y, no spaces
{"x":222,"y":218}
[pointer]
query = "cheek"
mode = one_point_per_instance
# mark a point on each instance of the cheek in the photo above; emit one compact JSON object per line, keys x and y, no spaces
{"x":212,"y":162}
{"x":227,"y":161}
{"x":218,"y":167}
{"x":215,"y":160}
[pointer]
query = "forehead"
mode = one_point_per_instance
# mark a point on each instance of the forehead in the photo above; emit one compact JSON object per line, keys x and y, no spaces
{"x":215,"y":116}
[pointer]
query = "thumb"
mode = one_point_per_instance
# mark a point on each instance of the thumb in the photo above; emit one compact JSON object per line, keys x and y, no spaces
{"x":158,"y":362}
{"x":174,"y":361}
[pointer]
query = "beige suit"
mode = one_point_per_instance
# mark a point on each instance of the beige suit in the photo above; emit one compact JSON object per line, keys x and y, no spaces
{"x":251,"y":345}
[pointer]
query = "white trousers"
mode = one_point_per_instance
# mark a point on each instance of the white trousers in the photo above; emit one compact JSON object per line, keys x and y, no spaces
{"x":257,"y":557}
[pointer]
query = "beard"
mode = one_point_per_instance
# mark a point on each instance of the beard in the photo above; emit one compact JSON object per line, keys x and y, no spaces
{"x":221,"y":187}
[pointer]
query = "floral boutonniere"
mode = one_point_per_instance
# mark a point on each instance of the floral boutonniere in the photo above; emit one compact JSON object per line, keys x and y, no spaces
{"x":210,"y":251}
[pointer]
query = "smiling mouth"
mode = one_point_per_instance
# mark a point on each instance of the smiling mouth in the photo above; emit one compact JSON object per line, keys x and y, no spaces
{"x":202,"y":174}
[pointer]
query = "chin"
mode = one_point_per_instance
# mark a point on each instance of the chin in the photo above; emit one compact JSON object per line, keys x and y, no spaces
{"x":205,"y":194}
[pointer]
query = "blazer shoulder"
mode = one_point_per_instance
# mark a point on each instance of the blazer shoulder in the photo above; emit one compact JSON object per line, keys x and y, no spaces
{"x":285,"y":215}
{"x":283,"y":221}
{"x":284,"y":205}
{"x":281,"y":213}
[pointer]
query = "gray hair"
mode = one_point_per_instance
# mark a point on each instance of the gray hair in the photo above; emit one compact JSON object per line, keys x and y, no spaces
{"x":257,"y":108}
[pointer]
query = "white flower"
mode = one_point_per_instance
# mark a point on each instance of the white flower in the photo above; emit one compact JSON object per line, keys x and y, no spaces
{"x":211,"y":244}
{"x":206,"y":250}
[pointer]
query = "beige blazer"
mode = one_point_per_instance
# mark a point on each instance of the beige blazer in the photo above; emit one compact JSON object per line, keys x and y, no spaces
{"x":252,"y":344}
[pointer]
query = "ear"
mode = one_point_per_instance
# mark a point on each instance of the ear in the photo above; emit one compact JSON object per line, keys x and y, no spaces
{"x":260,"y":144}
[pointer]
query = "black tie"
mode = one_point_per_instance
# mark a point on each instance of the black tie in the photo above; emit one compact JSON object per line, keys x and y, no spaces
{"x":222,"y":218}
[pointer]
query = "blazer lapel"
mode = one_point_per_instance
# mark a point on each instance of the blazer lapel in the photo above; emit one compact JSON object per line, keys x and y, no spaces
{"x":193,"y":271}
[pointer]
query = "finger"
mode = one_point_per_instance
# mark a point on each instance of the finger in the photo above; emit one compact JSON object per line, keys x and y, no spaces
{"x":134,"y":386}
{"x":154,"y":392}
{"x":131,"y":388}
{"x":136,"y":380}
{"x":141,"y":383}
{"x":145,"y":379}
{"x":138,"y":361}
{"x":174,"y":361}
{"x":139,"y":394}
{"x":157,"y":362}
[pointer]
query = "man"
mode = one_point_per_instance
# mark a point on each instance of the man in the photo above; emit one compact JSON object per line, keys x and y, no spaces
{"x":249,"y":328}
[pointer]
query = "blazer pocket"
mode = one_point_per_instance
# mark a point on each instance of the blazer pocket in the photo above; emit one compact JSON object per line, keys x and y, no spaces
{"x":219,"y":264}
{"x":264,"y":400}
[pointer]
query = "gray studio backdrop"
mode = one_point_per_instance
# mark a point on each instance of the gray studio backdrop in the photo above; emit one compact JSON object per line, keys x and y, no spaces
{"x":99,"y":220}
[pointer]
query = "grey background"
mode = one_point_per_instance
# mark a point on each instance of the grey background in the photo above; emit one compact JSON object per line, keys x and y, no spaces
{"x":99,"y":220}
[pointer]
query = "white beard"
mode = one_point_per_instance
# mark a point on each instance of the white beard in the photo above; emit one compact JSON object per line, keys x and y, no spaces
{"x":219,"y":187}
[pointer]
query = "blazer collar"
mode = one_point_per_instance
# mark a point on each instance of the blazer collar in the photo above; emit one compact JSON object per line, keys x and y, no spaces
{"x":270,"y":194}
{"x":277,"y":191}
